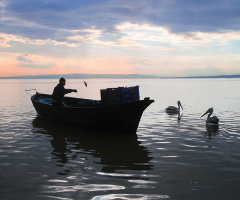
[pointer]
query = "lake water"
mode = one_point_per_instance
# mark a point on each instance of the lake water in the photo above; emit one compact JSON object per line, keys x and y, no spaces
{"x":169,"y":157}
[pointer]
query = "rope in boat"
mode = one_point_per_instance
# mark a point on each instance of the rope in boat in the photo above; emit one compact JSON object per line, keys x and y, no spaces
{"x":30,"y":90}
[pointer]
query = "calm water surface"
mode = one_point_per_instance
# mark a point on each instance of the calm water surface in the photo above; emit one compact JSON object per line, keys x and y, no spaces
{"x":169,"y":157}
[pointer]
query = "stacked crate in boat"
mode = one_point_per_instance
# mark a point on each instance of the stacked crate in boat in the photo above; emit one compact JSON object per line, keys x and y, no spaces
{"x":111,"y":96}
{"x":118,"y":95}
{"x":130,"y":94}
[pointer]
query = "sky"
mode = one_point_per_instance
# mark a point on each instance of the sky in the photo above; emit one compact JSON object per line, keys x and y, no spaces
{"x":152,"y":37}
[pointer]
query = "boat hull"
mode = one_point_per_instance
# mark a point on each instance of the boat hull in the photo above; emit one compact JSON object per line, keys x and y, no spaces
{"x":124,"y":116}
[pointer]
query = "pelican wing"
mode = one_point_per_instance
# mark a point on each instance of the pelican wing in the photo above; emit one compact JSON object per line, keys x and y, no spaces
{"x":213,"y":120}
{"x":171,"y":108}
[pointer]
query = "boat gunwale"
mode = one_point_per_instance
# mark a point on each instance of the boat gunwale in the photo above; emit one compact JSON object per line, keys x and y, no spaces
{"x":88,"y":107}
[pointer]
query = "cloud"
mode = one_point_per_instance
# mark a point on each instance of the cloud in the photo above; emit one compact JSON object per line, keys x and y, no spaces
{"x":100,"y":36}
{"x":43,"y":19}
{"x":33,"y":61}
{"x":77,"y":22}
{"x":32,"y":65}
{"x":203,"y":71}
{"x":24,"y":58}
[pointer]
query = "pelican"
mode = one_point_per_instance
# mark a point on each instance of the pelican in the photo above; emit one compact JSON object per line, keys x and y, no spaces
{"x":211,"y":120}
{"x":173,"y":109}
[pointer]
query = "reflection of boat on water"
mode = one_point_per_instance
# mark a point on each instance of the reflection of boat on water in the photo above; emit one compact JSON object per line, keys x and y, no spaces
{"x":92,"y":113}
{"x":116,"y":151}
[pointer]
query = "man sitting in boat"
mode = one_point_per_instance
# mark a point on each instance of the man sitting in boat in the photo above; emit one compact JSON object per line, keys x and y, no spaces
{"x":59,"y":92}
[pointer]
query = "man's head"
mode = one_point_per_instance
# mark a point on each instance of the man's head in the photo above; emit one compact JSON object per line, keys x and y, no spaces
{"x":62,"y":81}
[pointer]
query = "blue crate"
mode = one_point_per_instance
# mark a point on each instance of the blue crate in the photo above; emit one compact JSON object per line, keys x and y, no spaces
{"x":130,"y":94}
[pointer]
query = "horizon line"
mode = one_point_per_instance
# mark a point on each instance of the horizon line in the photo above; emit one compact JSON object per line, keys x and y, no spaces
{"x":119,"y":76}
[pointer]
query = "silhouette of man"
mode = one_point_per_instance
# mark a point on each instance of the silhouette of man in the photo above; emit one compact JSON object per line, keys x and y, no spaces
{"x":59,"y":92}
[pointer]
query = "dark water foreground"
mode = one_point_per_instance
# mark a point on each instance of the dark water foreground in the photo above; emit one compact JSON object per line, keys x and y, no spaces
{"x":61,"y":161}
{"x":169,"y":157}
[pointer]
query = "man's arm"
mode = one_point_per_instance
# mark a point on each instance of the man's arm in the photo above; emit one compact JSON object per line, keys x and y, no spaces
{"x":66,"y":91}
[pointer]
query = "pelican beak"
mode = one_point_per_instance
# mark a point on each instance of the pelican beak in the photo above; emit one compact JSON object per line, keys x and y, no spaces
{"x":208,"y":111}
{"x":181,"y":106}
{"x":204,"y":114}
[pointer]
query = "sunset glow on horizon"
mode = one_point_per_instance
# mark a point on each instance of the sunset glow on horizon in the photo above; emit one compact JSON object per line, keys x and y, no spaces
{"x":163,"y":38}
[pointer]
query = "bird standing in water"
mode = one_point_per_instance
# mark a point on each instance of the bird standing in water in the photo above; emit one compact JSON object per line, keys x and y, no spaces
{"x":173,"y":109}
{"x":211,"y":120}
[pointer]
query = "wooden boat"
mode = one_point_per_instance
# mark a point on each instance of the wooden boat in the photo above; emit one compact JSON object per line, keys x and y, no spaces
{"x":91,"y":113}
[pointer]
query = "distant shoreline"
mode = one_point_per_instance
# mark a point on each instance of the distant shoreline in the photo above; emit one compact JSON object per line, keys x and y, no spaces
{"x":110,"y":76}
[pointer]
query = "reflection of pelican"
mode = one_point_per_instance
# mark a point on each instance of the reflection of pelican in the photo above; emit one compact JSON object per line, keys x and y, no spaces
{"x":115,"y":149}
{"x":179,"y":117}
{"x":211,"y":120}
{"x":173,"y":109}
{"x":211,"y":131}
{"x":173,"y":115}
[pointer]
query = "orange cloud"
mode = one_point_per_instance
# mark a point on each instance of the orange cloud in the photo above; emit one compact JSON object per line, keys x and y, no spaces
{"x":16,"y":64}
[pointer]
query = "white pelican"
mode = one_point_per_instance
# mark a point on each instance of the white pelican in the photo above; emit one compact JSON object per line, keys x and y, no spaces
{"x":211,"y":120}
{"x":173,"y":109}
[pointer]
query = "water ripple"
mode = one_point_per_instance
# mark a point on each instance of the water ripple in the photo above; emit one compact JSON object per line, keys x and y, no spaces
{"x":86,"y":187}
{"x":131,"y":196}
